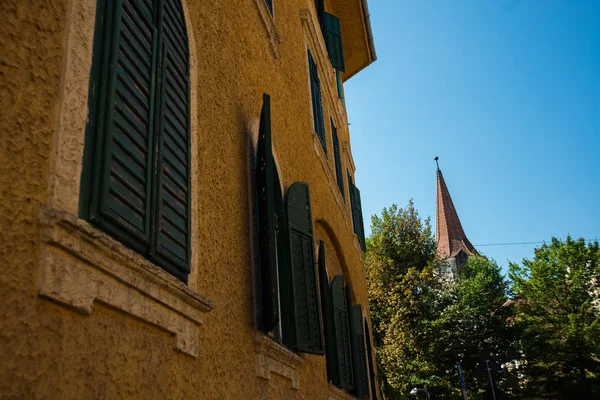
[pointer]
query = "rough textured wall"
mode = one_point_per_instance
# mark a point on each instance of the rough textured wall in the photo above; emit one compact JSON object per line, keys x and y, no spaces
{"x":49,"y":351}
{"x":31,"y":51}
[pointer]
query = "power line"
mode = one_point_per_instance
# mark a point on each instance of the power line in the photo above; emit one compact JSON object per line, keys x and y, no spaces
{"x":520,"y":243}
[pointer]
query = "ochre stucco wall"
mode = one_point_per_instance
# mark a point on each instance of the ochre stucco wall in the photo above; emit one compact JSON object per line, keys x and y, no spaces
{"x":51,"y":351}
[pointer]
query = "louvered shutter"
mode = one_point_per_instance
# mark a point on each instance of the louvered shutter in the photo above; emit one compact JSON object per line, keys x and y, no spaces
{"x":328,"y":317}
{"x":338,"y":159}
{"x":121,"y":193}
{"x":172,"y":239}
{"x":357,"y":216}
{"x":333,"y":40}
{"x":340,"y":87}
{"x":351,"y":192}
{"x":266,"y":225}
{"x":345,"y":379}
{"x":307,"y":312}
{"x":370,"y":361}
{"x":360,"y":228}
{"x":317,"y":104}
{"x":359,"y":356}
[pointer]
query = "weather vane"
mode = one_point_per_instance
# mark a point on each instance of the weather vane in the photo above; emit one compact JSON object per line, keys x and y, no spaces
{"x":436,"y":162}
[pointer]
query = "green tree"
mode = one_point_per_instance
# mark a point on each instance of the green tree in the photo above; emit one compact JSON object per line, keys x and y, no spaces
{"x":558,"y":311}
{"x":424,"y":320}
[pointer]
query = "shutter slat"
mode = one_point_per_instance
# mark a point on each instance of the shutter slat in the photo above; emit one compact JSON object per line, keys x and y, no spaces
{"x":136,"y":28}
{"x":124,"y":180}
{"x":134,"y":170}
{"x":125,"y":151}
{"x":126,"y":196}
{"x":133,"y":126}
{"x":345,"y":379}
{"x":307,"y":313}
{"x":119,"y":206}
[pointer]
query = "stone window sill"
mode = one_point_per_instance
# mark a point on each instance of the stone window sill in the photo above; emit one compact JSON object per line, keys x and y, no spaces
{"x":275,"y":358}
{"x":336,"y":393}
{"x":80,"y":265}
{"x":269,"y":24}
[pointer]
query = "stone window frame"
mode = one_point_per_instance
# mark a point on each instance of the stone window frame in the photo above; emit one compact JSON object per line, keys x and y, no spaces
{"x":268,"y":21}
{"x":79,"y":264}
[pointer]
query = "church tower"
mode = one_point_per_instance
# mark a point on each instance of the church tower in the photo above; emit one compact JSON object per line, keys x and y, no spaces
{"x":452,"y":243}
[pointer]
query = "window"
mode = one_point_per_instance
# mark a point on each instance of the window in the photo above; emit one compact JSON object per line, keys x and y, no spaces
{"x":359,"y":360}
{"x":317,"y":105}
{"x":288,"y":295}
{"x":370,"y":361}
{"x":270,"y":5}
{"x":320,"y":7}
{"x":333,"y":41}
{"x":337,"y":159}
{"x":340,"y":87}
{"x":357,"y":216}
{"x":328,"y":318}
{"x":347,"y":344}
{"x":136,"y":178}
{"x":343,"y":340}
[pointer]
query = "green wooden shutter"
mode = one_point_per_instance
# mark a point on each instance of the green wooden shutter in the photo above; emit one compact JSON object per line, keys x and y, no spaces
{"x":345,"y":379}
{"x":360,"y":228}
{"x":333,"y":40}
{"x":173,"y":224}
{"x":123,"y":125}
{"x":307,"y":313}
{"x":317,"y":104}
{"x":352,"y":192}
{"x":136,"y":178}
{"x":357,"y":216}
{"x":359,"y":360}
{"x":328,"y":317}
{"x":340,"y":87}
{"x":266,"y":220}
{"x":370,"y":362}
{"x":338,"y":159}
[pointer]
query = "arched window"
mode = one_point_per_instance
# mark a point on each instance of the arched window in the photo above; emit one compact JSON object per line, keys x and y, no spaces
{"x":136,"y":176}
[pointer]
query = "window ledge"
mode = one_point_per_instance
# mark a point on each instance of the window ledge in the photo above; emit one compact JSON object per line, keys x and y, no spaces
{"x":275,"y":358}
{"x":336,"y":393}
{"x":269,"y":24}
{"x":80,"y":265}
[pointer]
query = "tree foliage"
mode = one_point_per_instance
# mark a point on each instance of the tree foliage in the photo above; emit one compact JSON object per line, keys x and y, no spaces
{"x":558,"y":312}
{"x":424,"y":322}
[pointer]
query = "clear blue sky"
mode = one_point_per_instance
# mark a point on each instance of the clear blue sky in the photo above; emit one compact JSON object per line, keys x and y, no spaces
{"x":506,"y":93}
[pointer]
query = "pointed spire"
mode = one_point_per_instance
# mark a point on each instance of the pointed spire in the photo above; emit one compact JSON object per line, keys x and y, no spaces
{"x":450,"y":236}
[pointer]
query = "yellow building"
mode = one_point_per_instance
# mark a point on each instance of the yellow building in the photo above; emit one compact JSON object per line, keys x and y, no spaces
{"x":178,"y":212}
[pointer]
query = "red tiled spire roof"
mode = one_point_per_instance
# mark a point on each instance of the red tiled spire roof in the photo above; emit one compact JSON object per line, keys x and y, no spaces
{"x":450,"y":237}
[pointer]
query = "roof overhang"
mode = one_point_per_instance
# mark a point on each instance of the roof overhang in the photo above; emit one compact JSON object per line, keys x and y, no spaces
{"x":357,"y":37}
